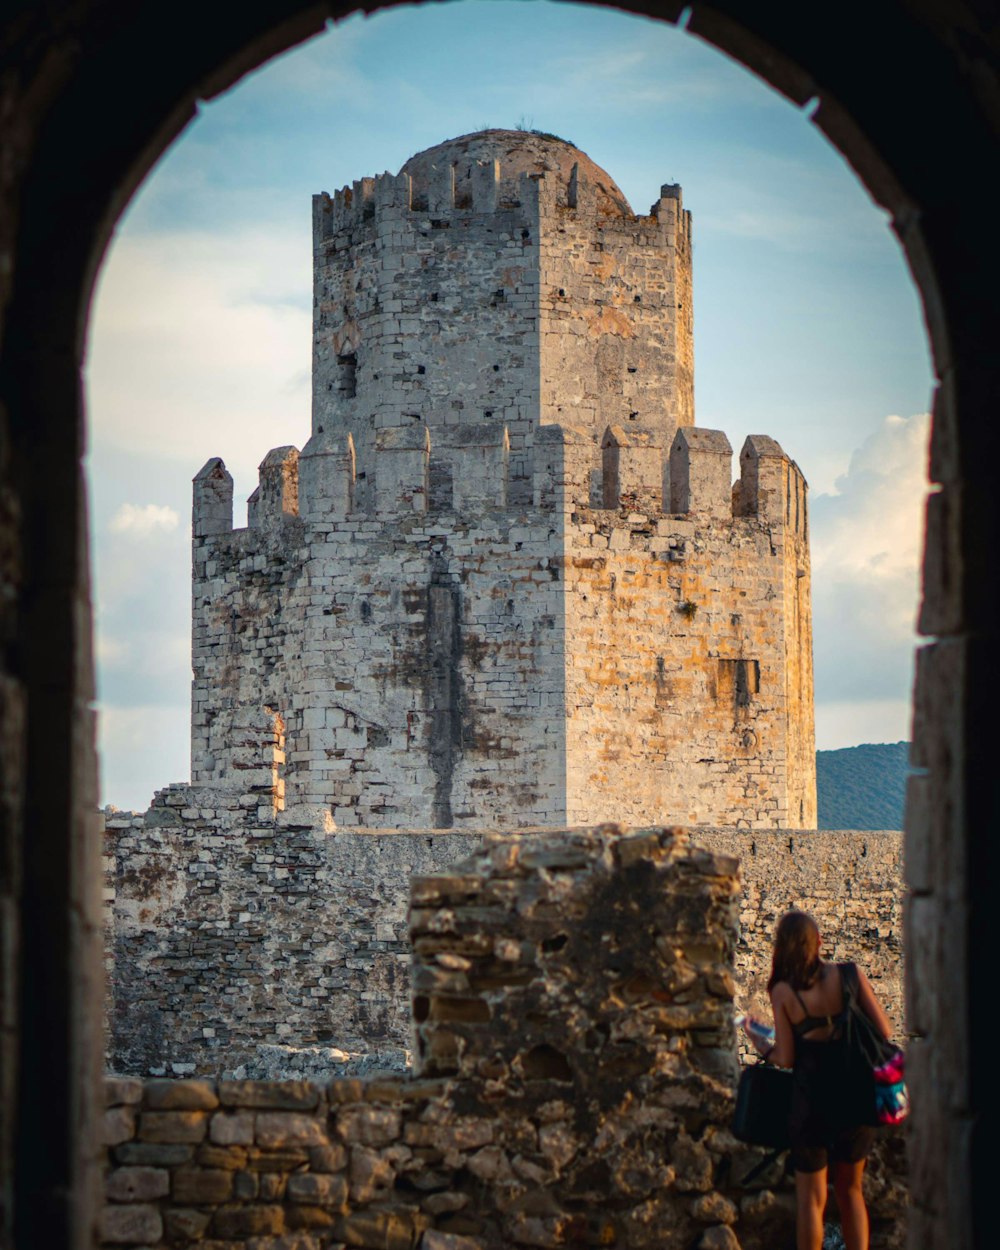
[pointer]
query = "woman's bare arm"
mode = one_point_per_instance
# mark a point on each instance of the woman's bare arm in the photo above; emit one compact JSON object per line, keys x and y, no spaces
{"x":783,"y":1054}
{"x":872,"y":1007}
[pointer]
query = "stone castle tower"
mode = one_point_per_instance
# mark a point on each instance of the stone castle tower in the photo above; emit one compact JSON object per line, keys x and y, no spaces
{"x":506,"y":582}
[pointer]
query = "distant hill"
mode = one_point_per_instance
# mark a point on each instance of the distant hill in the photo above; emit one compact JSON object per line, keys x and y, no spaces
{"x":862,"y":787}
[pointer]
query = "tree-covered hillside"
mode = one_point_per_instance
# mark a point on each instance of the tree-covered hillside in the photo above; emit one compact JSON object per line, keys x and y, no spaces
{"x":862,"y":787}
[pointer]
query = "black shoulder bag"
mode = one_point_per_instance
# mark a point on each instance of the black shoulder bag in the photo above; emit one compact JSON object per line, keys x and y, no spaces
{"x":763,"y":1105}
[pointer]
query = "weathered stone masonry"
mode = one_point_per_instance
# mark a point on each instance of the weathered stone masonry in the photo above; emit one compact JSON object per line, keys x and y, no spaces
{"x":241,"y":945}
{"x":573,"y":1007}
{"x":506,"y":581}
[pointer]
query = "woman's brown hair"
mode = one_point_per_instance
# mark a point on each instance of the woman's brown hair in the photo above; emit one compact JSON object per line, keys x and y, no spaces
{"x":796,"y":952}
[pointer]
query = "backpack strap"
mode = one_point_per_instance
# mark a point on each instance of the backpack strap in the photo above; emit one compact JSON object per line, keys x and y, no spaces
{"x":766,"y":1162}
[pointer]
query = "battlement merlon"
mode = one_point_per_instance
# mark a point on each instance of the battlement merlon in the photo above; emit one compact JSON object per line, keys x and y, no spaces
{"x":701,"y":473}
{"x":563,"y":458}
{"x":480,"y":454}
{"x":440,"y":189}
{"x":327,"y":477}
{"x":212,"y":508}
{"x":402,"y":468}
{"x":632,"y":470}
{"x":771,"y":486}
{"x":484,"y":186}
{"x":277,"y":493}
{"x":673,"y":219}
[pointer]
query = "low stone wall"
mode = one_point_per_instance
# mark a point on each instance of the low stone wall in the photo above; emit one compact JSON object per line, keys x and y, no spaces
{"x":575,"y":1046}
{"x":850,"y":881}
{"x":256,"y":948}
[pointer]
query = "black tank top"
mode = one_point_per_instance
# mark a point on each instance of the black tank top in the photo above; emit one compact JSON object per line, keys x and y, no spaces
{"x":809,"y":1023}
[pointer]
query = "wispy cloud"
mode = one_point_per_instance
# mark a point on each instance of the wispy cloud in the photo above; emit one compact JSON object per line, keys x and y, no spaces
{"x":866,"y":549}
{"x":199,"y":332}
{"x":648,"y":64}
{"x":791,"y":202}
{"x":141,"y":520}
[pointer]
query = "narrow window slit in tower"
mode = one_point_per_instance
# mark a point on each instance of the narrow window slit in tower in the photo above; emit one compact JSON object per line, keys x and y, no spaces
{"x":347,"y":375}
{"x":739,"y":681}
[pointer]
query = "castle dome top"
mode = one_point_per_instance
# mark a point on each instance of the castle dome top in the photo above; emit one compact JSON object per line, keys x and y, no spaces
{"x":517,"y":152}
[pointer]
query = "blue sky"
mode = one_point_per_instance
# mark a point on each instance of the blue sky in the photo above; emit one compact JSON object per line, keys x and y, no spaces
{"x":807,"y":325}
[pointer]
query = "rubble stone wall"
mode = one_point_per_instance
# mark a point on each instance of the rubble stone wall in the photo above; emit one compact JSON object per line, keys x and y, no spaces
{"x":573,"y":1009}
{"x":850,"y":881}
{"x":239,"y":945}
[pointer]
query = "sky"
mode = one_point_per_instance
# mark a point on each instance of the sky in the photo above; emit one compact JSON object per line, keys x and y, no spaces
{"x":807,"y":324}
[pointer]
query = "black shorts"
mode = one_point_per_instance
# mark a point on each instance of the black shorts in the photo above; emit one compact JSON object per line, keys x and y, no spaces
{"x":850,"y":1145}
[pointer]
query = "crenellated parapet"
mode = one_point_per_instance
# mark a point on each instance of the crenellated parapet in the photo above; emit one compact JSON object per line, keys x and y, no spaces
{"x":475,"y":187}
{"x":629,"y":473}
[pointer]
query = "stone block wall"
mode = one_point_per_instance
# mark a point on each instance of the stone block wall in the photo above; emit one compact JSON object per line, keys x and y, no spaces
{"x":424,"y":316}
{"x":688,"y":689}
{"x":482,"y":665}
{"x":574,"y":1016}
{"x":249,"y":946}
{"x":415,"y":664}
{"x":615,"y":314}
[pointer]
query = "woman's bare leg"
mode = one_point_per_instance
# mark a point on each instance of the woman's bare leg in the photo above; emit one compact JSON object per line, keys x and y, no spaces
{"x":851,"y":1202}
{"x":810,"y":1201}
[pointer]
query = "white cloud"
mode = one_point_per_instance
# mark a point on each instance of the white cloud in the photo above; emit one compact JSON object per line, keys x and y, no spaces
{"x":202,"y":341}
{"x":142,"y":520}
{"x":867,"y":536}
{"x":111,"y":652}
{"x":867,"y":540}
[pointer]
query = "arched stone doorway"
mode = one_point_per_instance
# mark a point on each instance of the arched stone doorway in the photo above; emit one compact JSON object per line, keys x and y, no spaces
{"x":93,"y":92}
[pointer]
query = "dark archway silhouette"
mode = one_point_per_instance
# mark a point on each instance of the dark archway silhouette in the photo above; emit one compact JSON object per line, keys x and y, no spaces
{"x":91,"y":93}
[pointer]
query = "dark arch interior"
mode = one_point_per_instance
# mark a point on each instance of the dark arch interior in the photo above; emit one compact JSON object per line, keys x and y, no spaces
{"x":94,"y":91}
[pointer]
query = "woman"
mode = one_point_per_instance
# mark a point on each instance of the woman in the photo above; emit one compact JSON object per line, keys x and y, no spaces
{"x":827,"y":1125}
